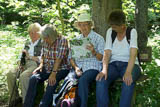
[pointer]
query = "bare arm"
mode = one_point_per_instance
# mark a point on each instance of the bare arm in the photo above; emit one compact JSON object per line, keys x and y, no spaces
{"x":132,"y":59}
{"x":127,"y":78}
{"x":77,"y":69}
{"x":39,"y":67}
{"x":52,"y":77}
{"x":106,"y":58}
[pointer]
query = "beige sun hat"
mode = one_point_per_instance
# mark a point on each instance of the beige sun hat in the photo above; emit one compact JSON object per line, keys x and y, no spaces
{"x":83,"y":17}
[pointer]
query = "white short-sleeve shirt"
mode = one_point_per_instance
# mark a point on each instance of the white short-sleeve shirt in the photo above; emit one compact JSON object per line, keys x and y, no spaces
{"x":120,"y":50}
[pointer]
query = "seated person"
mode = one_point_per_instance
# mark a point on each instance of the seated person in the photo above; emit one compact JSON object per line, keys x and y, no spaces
{"x":87,"y":68}
{"x":32,"y":51}
{"x":119,"y":61}
{"x":53,"y":66}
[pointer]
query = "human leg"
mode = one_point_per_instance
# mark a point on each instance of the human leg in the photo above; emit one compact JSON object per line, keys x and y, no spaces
{"x":50,"y":90}
{"x":87,"y":77}
{"x":32,"y":88}
{"x":25,"y":75}
{"x":102,"y":86}
{"x":127,"y":91}
{"x":11,"y":81}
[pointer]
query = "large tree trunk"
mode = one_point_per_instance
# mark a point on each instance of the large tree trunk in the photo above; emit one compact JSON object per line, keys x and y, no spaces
{"x":141,"y":22}
{"x":101,"y":9}
{"x":145,"y":53}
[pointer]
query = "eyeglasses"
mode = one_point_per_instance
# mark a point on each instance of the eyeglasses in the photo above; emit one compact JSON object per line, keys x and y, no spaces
{"x":82,"y":24}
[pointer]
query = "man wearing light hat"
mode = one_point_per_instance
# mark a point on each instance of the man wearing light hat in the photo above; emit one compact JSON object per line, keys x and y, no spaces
{"x":53,"y":66}
{"x":87,"y":68}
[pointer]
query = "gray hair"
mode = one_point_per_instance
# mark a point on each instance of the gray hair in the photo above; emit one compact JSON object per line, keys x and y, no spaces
{"x":49,"y":31}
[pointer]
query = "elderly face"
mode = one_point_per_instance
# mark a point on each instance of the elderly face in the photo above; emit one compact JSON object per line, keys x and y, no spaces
{"x":48,"y":40}
{"x":84,"y":27}
{"x":34,"y":35}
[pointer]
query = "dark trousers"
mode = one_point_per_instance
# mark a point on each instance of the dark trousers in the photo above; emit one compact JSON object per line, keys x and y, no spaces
{"x":48,"y":95}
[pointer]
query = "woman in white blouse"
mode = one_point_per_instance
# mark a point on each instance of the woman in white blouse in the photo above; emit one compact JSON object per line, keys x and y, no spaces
{"x":119,"y":61}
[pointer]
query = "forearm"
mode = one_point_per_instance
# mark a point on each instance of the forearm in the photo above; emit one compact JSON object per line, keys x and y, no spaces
{"x":73,"y":63}
{"x":106,"y":58}
{"x":132,"y":59}
{"x":56,"y":64}
{"x":98,"y":56}
{"x":41,"y":63}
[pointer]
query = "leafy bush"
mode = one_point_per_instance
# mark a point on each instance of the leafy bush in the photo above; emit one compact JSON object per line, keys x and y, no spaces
{"x":14,"y":34}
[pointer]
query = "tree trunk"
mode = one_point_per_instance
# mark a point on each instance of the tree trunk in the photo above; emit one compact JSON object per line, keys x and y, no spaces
{"x":141,"y":22}
{"x":100,"y":12}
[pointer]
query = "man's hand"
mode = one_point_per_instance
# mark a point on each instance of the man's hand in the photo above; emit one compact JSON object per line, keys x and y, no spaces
{"x":52,"y":79}
{"x":78,"y":71}
{"x":127,"y":78}
{"x":91,"y":48}
{"x":101,"y":74}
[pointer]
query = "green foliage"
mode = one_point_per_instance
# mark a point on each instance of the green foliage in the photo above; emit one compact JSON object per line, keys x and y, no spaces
{"x":11,"y":44}
{"x":16,"y":15}
{"x":42,"y":11}
{"x":129,"y":8}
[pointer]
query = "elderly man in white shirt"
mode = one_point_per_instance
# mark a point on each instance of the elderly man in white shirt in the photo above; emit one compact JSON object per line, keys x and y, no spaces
{"x":32,"y":51}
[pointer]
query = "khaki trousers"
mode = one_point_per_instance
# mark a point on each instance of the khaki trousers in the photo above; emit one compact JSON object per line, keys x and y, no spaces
{"x":23,"y":79}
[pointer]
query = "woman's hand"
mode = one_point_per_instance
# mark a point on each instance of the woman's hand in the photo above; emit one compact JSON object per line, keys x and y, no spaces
{"x":101,"y":74}
{"x":127,"y":78}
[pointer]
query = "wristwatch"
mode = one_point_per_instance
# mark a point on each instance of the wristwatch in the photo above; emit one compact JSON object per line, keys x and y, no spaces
{"x":55,"y":71}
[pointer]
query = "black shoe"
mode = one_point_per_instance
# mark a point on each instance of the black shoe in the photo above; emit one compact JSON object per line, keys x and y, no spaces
{"x":15,"y":102}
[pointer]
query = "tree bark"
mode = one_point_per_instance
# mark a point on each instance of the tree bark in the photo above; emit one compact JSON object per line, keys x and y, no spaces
{"x":142,"y":22}
{"x":100,"y":12}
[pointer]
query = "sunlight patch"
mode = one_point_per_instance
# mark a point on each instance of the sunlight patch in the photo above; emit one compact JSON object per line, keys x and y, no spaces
{"x":157,"y":61}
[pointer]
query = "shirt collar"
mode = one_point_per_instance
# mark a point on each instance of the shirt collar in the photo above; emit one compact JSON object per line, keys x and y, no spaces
{"x":35,"y":43}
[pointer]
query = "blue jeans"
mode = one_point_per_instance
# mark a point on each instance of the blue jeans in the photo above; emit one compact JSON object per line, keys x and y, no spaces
{"x":87,"y":77}
{"x":116,"y":70}
{"x":48,"y":95}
